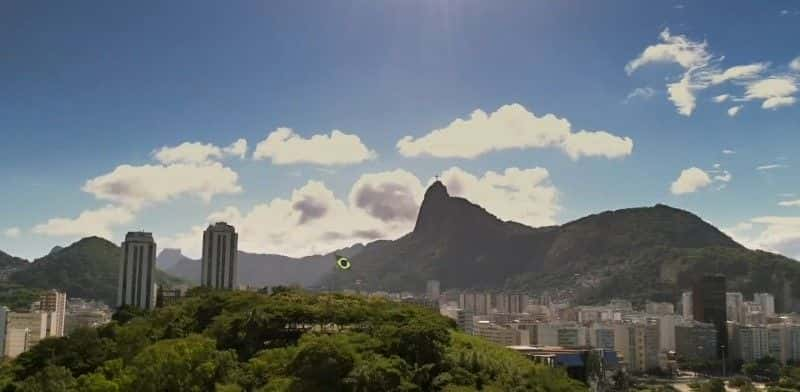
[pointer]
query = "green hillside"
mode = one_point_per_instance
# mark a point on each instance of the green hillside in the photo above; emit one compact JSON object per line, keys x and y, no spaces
{"x":88,"y":268}
{"x":637,"y":253}
{"x":289,"y":341}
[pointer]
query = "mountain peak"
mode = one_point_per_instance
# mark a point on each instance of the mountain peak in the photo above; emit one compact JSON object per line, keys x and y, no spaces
{"x":433,"y":206}
{"x":441,"y":212}
{"x":437,"y":190}
{"x":168,"y":257}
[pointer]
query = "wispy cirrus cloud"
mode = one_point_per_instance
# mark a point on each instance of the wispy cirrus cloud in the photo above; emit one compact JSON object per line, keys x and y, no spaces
{"x":702,"y":69}
{"x":771,"y":166}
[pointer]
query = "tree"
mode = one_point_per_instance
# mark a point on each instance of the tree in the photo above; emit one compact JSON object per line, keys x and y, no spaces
{"x":50,"y":379}
{"x":127,"y":313}
{"x":322,"y":363}
{"x":766,"y":368}
{"x":95,"y":382}
{"x":189,"y":364}
{"x":622,"y":381}
{"x":378,"y":374}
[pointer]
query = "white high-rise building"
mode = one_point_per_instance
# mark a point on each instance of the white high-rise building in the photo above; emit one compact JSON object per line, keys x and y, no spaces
{"x":686,"y":305}
{"x":3,"y":320}
{"x":54,"y":303}
{"x":137,"y":271}
{"x":749,"y":342}
{"x":767,"y":302}
{"x":666,"y":331}
{"x":734,"y":308}
{"x":432,"y":290}
{"x":483,"y":303}
{"x":220,"y":257}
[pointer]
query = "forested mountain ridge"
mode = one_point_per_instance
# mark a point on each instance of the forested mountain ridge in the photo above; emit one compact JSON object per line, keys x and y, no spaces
{"x":88,"y":268}
{"x":638,"y":253}
{"x":259,"y":270}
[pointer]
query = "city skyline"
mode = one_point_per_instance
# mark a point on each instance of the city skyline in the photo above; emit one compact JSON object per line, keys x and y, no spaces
{"x":323,"y":135}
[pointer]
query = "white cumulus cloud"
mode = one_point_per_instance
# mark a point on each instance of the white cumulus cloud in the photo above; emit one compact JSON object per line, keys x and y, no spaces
{"x":99,"y":222}
{"x":189,"y":152}
{"x":721,"y":98}
{"x":682,"y":94}
{"x":775,"y":91}
{"x":777,"y":102}
{"x":285,"y":147}
{"x":512,"y":127}
{"x":794,"y":65}
{"x":137,"y":186}
{"x":196,"y":152}
{"x":790,"y":203}
{"x":12,"y":232}
{"x":734,"y":110}
{"x":690,"y":180}
{"x":379,"y":206}
{"x":522,"y":195}
{"x":779,"y":234}
{"x":237,"y":149}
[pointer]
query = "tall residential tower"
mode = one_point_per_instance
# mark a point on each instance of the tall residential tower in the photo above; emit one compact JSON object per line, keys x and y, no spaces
{"x":220,"y":257}
{"x":137,"y":271}
{"x":709,"y":306}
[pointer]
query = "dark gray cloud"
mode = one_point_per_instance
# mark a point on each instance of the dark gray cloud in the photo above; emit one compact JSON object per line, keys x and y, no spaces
{"x":368,"y":234}
{"x":387,"y":201}
{"x":365,"y":234}
{"x":310,"y":209}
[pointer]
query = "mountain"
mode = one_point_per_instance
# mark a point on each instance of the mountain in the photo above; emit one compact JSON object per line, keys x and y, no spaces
{"x":88,"y":268}
{"x":639,"y":253}
{"x":258,"y":270}
{"x":168,"y":257}
{"x":9,"y":262}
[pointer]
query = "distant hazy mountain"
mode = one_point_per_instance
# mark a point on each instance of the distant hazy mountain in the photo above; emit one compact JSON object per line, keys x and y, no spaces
{"x":260,"y":270}
{"x":88,"y":268}
{"x":168,"y":257}
{"x":640,"y":253}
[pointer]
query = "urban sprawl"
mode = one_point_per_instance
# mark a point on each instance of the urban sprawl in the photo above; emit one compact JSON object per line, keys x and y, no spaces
{"x":707,"y":324}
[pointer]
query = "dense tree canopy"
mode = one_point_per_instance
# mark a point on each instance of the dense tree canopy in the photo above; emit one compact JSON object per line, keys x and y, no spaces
{"x":289,"y":341}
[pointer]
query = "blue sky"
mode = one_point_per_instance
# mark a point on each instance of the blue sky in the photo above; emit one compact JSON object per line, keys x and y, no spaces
{"x":90,"y":87}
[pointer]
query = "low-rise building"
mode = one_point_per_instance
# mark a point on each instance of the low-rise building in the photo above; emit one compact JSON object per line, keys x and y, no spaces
{"x":498,"y":334}
{"x":23,"y":331}
{"x":659,"y":308}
